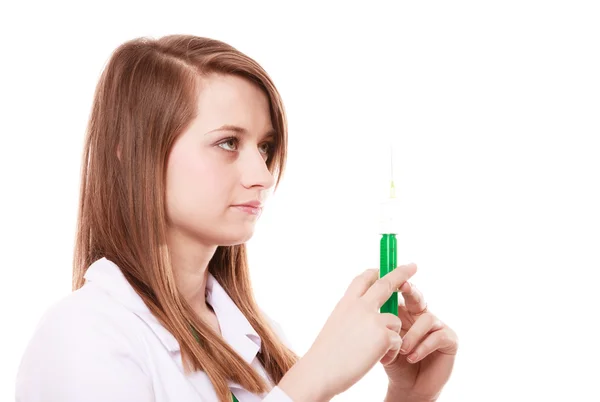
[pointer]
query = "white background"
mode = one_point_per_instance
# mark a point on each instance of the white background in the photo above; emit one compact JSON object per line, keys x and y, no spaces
{"x":494,"y":112}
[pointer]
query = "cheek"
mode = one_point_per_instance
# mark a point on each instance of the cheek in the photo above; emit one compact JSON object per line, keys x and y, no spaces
{"x":195,"y":188}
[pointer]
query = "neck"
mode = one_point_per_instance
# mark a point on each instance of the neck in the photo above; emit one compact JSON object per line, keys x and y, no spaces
{"x":190,"y":264}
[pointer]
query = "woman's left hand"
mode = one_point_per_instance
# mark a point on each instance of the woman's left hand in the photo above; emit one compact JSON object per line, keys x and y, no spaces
{"x":427,"y":354}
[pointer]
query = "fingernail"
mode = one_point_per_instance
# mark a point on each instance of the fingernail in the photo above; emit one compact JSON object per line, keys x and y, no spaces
{"x":413,"y":358}
{"x":404,"y":348}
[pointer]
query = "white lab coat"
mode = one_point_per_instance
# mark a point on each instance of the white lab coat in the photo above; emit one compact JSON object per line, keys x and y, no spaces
{"x":102,"y":344}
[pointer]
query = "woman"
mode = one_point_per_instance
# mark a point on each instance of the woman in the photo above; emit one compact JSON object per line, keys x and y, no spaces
{"x":185,"y":138}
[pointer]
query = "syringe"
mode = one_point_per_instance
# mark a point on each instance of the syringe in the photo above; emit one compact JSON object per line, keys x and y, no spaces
{"x":388,"y":245}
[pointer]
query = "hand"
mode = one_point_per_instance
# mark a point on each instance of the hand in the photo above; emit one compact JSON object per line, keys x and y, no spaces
{"x":423,"y":366}
{"x":356,"y":335}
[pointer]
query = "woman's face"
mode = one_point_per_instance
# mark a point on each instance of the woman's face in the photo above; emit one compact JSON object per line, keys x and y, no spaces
{"x":209,"y":172}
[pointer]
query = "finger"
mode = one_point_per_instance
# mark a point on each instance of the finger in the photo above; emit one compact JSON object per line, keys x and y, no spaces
{"x":418,"y":331}
{"x":362,"y":282}
{"x":413,"y":299}
{"x":392,"y":354}
{"x":382,"y":288}
{"x":391,"y":321}
{"x":441,"y":340}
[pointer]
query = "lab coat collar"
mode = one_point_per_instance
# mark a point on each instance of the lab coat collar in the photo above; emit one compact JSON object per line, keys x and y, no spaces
{"x":235,"y":328}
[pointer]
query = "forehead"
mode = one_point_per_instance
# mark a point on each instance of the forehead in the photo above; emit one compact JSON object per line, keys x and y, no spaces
{"x":233,"y":100}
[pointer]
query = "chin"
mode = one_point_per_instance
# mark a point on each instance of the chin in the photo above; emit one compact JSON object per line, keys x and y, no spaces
{"x":242,"y":236}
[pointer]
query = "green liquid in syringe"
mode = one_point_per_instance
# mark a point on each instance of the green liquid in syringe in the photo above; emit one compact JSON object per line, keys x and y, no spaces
{"x":387,"y":262}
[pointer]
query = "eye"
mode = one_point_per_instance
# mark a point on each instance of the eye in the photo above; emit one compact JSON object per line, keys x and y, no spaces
{"x":267,"y":148}
{"x":229,"y":140}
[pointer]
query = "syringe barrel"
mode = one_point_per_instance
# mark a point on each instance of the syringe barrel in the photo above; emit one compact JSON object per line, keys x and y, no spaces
{"x":388,"y":247}
{"x":389,"y":214}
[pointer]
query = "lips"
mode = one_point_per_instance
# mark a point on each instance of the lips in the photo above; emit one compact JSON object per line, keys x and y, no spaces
{"x":251,"y":204}
{"x":251,"y":210}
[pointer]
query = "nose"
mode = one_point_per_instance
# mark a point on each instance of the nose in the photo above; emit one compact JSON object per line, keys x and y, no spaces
{"x":254,"y":171}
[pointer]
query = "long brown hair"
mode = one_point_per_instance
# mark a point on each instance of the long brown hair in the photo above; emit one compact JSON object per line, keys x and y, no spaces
{"x":146,"y":96}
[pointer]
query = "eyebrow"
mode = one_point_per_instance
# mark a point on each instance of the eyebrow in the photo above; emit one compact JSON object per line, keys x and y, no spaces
{"x":241,"y":130}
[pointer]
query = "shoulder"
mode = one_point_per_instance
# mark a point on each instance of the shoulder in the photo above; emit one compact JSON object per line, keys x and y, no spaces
{"x":83,"y":344}
{"x":84,"y":316}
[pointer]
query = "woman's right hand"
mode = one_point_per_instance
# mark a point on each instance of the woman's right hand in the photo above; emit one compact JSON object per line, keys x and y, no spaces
{"x":356,"y":335}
